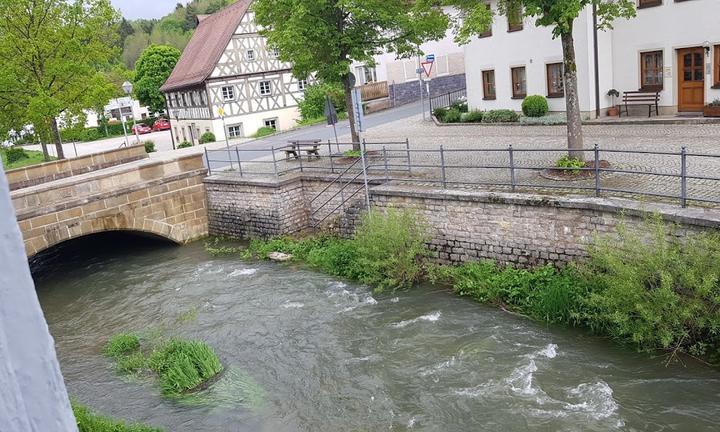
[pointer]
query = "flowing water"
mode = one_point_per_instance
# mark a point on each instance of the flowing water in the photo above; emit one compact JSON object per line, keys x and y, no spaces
{"x":306,"y":352}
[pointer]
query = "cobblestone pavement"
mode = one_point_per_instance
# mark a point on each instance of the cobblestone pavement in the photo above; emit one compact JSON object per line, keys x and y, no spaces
{"x":473,"y":169}
{"x":698,"y":139}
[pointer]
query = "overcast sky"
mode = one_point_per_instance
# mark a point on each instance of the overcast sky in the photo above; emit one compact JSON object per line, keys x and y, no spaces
{"x":134,"y":9}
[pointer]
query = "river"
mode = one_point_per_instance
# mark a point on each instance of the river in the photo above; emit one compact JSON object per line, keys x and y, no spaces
{"x":306,"y":352}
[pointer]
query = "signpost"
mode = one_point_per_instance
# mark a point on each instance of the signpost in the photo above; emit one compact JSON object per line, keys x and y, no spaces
{"x":221,"y":113}
{"x":332,"y":117}
{"x":426,"y":70}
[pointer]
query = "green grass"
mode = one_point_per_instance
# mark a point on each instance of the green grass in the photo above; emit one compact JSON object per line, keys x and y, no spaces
{"x":88,"y":421}
{"x":34,"y":158}
{"x":122,"y":344}
{"x":318,"y":120}
{"x":182,"y":365}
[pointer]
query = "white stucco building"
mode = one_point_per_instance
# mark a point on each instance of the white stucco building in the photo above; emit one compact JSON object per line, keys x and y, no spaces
{"x":227,"y":68}
{"x":671,"y":46}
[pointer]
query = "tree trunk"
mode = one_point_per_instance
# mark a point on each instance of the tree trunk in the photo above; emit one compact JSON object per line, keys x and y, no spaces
{"x":572,"y":103}
{"x":46,"y":155}
{"x":351,"y":113}
{"x":58,"y":140}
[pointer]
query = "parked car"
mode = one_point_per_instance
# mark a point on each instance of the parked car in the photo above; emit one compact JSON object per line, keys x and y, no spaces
{"x":161,"y":125}
{"x":141,"y":129}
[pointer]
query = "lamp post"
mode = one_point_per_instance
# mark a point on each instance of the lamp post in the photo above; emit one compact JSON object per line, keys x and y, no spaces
{"x":176,"y":114}
{"x":128,"y":88}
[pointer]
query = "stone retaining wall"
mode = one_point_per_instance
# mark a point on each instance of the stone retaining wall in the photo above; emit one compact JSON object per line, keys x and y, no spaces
{"x":409,"y":92}
{"x":49,"y":171}
{"x":521,"y":229}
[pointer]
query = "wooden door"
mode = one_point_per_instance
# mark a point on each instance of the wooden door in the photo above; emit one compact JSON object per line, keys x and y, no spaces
{"x":691,"y":79}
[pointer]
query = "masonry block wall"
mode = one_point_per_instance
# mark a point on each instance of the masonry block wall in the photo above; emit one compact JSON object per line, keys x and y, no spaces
{"x":165,"y":198}
{"x":519,"y":229}
{"x":409,"y":92}
{"x":49,"y":171}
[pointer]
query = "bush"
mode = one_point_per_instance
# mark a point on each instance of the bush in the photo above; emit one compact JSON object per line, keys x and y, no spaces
{"x":15,"y":154}
{"x":460,"y":105}
{"x":149,"y":146}
{"x":263,"y":132}
{"x":475,"y":116}
{"x":184,"y":144}
{"x":390,"y":249}
{"x":656,"y":290}
{"x":184,"y":365}
{"x":207,"y":137}
{"x":535,"y":106}
{"x":500,"y":116}
{"x":452,"y":115}
{"x":544,"y":293}
{"x":122,"y":344}
{"x":548,"y":120}
{"x":88,"y":421}
{"x":312,"y":104}
{"x":439,"y":113}
{"x":574,"y":165}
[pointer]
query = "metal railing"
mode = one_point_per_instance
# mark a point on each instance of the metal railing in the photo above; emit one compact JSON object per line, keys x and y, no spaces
{"x":680,"y":176}
{"x":659,"y":180}
{"x":447,"y":99}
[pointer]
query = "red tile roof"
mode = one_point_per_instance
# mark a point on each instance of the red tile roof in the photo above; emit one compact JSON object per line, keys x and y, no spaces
{"x":206,"y":46}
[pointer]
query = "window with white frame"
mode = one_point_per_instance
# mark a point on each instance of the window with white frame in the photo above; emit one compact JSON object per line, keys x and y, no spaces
{"x":235,"y":131}
{"x":271,"y":123}
{"x":250,"y":55}
{"x":265,"y":88}
{"x":302,"y":84}
{"x":228,"y":93}
{"x":274,"y":53}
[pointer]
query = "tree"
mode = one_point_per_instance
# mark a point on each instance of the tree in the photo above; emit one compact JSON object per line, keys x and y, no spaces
{"x":323,"y":37}
{"x":475,"y":18}
{"x":190,"y":18}
{"x":151,"y":71}
{"x":126,"y":29}
{"x":50,"y":53}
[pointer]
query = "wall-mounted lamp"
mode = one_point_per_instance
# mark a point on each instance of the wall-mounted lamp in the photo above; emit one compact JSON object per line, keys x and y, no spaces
{"x":706,"y":45}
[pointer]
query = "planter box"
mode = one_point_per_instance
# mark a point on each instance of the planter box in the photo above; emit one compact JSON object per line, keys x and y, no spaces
{"x":711,"y":111}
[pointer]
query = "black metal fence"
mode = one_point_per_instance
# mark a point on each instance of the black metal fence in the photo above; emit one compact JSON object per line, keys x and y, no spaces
{"x":681,"y":176}
{"x":447,"y":99}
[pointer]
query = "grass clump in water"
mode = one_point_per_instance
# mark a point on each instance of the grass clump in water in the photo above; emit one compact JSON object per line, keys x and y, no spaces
{"x":122,"y":344}
{"x":183,"y":366}
{"x":219,"y":246}
{"x":88,"y":421}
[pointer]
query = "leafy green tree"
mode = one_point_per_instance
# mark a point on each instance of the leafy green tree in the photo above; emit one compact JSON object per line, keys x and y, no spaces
{"x":51,"y":51}
{"x":151,"y":71}
{"x":190,"y":17}
{"x":323,"y":37}
{"x":559,"y":15}
{"x":126,"y":29}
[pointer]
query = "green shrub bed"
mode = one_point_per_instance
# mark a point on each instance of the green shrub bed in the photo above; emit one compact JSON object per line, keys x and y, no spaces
{"x":647,"y":288}
{"x":181,"y":366}
{"x":88,"y":421}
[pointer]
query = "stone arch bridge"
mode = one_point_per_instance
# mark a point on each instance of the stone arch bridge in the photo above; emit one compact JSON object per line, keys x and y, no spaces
{"x":112,"y":191}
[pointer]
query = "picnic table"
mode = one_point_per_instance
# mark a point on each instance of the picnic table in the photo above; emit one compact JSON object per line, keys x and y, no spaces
{"x":296,"y":147}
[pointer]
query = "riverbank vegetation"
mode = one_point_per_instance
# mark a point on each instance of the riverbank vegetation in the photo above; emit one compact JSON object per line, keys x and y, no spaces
{"x":88,"y":421}
{"x":181,"y":366}
{"x":645,"y":287}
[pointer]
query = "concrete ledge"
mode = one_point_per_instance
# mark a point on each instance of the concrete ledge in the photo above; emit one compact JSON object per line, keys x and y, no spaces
{"x":708,"y":218}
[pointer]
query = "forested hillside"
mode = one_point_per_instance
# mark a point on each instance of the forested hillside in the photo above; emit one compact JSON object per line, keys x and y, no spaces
{"x":173,"y":29}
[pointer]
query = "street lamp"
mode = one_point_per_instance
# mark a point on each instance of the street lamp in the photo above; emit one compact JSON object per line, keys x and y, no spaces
{"x":128,"y":88}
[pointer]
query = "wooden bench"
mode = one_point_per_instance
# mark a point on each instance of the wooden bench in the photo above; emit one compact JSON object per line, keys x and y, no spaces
{"x":310,"y":147}
{"x":651,"y":99}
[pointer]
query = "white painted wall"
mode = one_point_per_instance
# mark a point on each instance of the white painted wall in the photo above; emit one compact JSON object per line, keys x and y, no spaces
{"x":668,"y":27}
{"x":33,"y":397}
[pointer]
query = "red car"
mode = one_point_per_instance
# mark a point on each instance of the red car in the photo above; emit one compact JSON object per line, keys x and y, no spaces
{"x":161,"y":125}
{"x":141,"y":129}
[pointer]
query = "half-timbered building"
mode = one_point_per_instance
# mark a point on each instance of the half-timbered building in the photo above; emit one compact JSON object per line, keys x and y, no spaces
{"x":229,"y":82}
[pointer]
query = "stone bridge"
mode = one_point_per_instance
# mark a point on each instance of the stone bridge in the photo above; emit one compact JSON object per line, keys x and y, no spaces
{"x":112,"y":191}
